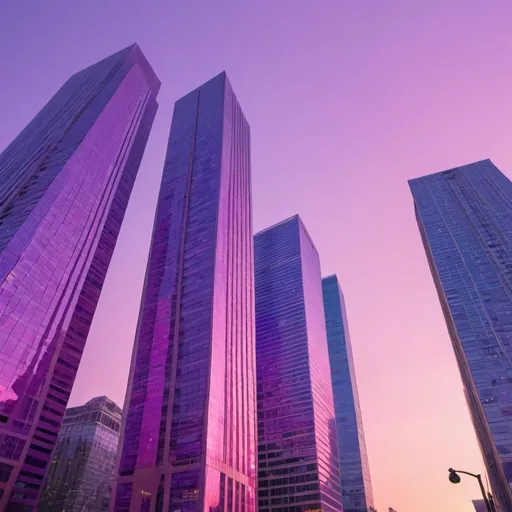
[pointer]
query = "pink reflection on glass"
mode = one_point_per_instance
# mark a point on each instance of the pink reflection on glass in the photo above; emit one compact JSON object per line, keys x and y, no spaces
{"x":58,"y":236}
{"x":197,"y":412}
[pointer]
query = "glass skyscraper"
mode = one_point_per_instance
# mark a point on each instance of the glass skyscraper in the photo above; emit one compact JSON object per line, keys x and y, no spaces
{"x":356,"y":486}
{"x":465,"y":220}
{"x":297,"y":446}
{"x":82,"y":470}
{"x":189,"y":437}
{"x":65,"y":182}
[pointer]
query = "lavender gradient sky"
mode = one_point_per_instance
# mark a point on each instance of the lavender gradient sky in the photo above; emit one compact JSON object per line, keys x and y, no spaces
{"x":346,"y":101}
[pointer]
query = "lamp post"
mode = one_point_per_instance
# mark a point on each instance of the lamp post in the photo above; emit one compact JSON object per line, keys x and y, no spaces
{"x":455,"y":479}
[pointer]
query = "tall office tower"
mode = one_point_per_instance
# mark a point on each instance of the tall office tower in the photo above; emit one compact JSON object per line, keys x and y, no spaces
{"x":297,"y":445}
{"x":189,"y":434}
{"x":465,"y":220}
{"x":83,"y":466}
{"x":356,"y":485}
{"x":64,"y":186}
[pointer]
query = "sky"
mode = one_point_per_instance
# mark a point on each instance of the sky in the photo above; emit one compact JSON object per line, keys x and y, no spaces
{"x":346,"y":101}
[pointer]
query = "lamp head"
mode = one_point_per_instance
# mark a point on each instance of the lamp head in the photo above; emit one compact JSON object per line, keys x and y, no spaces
{"x":453,"y":477}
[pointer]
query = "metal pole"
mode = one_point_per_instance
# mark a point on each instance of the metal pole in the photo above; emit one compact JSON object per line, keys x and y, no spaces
{"x":482,"y":490}
{"x":491,"y":502}
{"x":484,"y":494}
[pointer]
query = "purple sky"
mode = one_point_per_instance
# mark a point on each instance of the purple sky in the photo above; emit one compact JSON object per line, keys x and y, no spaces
{"x":346,"y":101}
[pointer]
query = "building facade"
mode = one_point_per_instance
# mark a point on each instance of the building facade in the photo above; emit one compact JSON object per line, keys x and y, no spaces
{"x":65,"y":182}
{"x":480,"y":506}
{"x":189,"y":433}
{"x":83,"y":465}
{"x":356,"y":483}
{"x":297,"y":445}
{"x":465,"y":220}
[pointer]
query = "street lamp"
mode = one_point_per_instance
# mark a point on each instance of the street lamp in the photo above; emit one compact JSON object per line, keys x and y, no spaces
{"x":454,"y":478}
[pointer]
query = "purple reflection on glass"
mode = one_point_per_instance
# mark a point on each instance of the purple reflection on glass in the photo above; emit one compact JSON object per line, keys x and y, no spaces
{"x":190,"y":410}
{"x":297,"y":445}
{"x":65,"y":184}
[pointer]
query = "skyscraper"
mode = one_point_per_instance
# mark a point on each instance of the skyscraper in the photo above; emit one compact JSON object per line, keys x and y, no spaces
{"x":465,"y":220}
{"x":356,"y":485}
{"x":82,"y":470}
{"x":64,"y":186}
{"x":189,"y":432}
{"x":297,"y":446}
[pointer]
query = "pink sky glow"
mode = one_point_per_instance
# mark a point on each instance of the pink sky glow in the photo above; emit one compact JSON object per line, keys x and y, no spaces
{"x":346,"y":101}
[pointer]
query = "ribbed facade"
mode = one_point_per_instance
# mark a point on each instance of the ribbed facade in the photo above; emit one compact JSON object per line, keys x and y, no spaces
{"x":83,"y":464}
{"x":65,"y":182}
{"x":189,"y":433}
{"x":465,"y":220}
{"x":356,"y":485}
{"x":297,"y":446}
